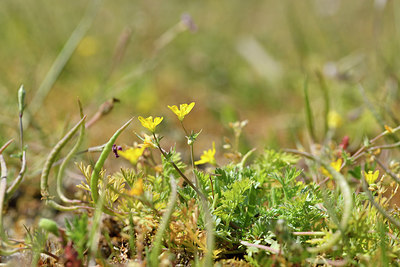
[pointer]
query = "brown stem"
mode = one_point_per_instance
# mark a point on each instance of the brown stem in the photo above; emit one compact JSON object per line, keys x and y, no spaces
{"x":6,"y":145}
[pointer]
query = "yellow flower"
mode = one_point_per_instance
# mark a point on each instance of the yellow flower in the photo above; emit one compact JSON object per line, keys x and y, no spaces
{"x":336,"y":165}
{"x":208,"y":157}
{"x":132,"y":154}
{"x":137,"y":188}
{"x":149,"y":123}
{"x":147,"y":142}
{"x":371,"y":176}
{"x":183,"y":110}
{"x":334,"y":120}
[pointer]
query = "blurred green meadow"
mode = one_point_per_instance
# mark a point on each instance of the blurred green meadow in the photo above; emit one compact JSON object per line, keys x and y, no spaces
{"x":238,"y":60}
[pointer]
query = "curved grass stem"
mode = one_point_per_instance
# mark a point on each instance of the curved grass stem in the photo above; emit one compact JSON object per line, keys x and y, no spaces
{"x":67,"y":159}
{"x":14,"y":186}
{"x":44,"y":187}
{"x":94,"y":180}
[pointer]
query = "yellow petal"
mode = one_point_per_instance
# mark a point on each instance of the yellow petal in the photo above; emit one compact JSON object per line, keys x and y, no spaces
{"x":337,"y":164}
{"x":207,"y":157}
{"x":132,"y":154}
{"x":371,"y":177}
{"x":183,"y":110}
{"x":157,"y":120}
{"x":325,"y":172}
{"x":149,"y":123}
{"x":174,"y":109}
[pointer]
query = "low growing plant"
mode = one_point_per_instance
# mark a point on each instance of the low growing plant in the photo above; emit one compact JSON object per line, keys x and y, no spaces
{"x":292,"y":207}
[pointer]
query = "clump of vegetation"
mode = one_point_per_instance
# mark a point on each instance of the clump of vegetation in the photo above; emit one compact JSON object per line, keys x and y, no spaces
{"x":327,"y":206}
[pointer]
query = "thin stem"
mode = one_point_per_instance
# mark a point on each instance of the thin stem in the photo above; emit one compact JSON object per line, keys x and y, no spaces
{"x":309,"y":115}
{"x":60,"y":207}
{"x":309,"y":233}
{"x":3,"y":185}
{"x":386,"y":169}
{"x":4,"y":252}
{"x":212,"y":187}
{"x":191,"y":153}
{"x":14,"y":186}
{"x":362,"y":149}
{"x":44,"y":187}
{"x":176,"y":167}
{"x":61,"y":160}
{"x":67,"y":159}
{"x":184,"y":129}
{"x":325,"y":92}
{"x":391,"y":146}
{"x":6,"y":145}
{"x":21,"y":132}
{"x":191,"y":147}
{"x":266,"y":248}
{"x":51,"y":255}
{"x":298,"y":152}
{"x":376,"y":205}
{"x":103,"y":110}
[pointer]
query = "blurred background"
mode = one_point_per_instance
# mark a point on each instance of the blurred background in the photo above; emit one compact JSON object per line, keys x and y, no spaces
{"x":238,"y":60}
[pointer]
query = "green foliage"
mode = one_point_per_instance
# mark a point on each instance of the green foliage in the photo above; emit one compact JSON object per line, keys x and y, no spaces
{"x":163,"y":210}
{"x":36,"y":242}
{"x":112,"y":186}
{"x":77,"y":231}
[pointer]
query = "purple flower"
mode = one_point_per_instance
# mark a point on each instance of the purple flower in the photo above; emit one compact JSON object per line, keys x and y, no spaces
{"x":189,"y":23}
{"x":115,"y":149}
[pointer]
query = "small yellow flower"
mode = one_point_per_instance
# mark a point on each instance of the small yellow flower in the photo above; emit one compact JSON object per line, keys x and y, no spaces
{"x":336,"y":165}
{"x":137,"y":188}
{"x":183,"y":110}
{"x":334,"y":120}
{"x":371,"y":176}
{"x":147,"y":142}
{"x":132,"y":154}
{"x":208,"y":157}
{"x":149,"y":123}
